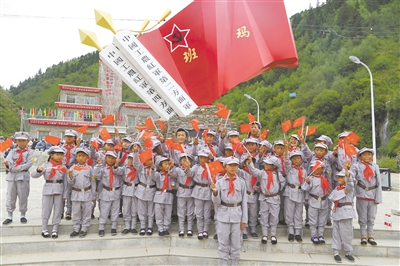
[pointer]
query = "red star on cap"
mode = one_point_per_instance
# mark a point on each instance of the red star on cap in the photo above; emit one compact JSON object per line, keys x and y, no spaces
{"x":177,"y":38}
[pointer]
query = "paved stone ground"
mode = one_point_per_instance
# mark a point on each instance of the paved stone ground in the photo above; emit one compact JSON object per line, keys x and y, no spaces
{"x":391,"y":200}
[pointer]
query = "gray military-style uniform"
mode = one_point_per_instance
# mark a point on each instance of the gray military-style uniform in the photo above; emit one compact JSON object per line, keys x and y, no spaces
{"x":71,"y":162}
{"x":83,"y":184}
{"x":232,"y":210}
{"x":54,"y":191}
{"x":145,"y":193}
{"x":18,"y":180}
{"x":252,"y":199}
{"x":318,"y":205}
{"x":368,"y":194}
{"x":109,"y":196}
{"x":162,"y":200}
{"x":129,"y":199}
{"x":294,"y":198}
{"x":269,"y":200}
{"x":342,"y":215}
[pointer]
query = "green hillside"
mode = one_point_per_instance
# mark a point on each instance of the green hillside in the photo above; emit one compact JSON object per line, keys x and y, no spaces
{"x":331,"y":91}
{"x":9,"y":118}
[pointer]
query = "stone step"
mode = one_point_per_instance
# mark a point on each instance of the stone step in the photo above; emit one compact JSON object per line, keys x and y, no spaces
{"x":34,"y":227}
{"x":181,"y":256}
{"x":92,"y":242}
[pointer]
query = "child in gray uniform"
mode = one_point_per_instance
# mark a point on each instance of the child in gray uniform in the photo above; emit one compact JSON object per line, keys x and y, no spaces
{"x":271,"y":183}
{"x":343,"y":214}
{"x":129,"y":199}
{"x":163,"y":197}
{"x":18,"y":162}
{"x":54,"y":189}
{"x":229,"y":194}
{"x":318,"y":187}
{"x":83,"y":183}
{"x":110,"y":175}
{"x":368,"y":191}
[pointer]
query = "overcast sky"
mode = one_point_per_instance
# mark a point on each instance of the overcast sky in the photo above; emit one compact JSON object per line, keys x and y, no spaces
{"x":35,"y":34}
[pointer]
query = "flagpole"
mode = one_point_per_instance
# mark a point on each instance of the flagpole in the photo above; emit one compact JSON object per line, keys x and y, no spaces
{"x":306,"y":134}
{"x":226,"y":122}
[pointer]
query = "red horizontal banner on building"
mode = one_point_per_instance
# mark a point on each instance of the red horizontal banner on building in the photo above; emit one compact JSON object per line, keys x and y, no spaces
{"x":61,"y":123}
{"x":78,"y":88}
{"x":137,"y":105}
{"x":79,"y":106}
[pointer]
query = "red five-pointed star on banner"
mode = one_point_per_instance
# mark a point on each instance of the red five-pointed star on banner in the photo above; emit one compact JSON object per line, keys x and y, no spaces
{"x":177,"y":38}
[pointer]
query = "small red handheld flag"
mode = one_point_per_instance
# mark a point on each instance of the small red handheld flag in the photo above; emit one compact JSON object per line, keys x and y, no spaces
{"x":223,"y":113}
{"x":6,"y":144}
{"x":311,"y":130}
{"x":52,"y":140}
{"x":353,"y":138}
{"x":220,"y":106}
{"x":148,"y":143}
{"x":195,"y":125}
{"x":95,"y":145}
{"x":149,"y":123}
{"x":104,"y":134}
{"x":251,"y":117}
{"x":286,"y":126}
{"x":245,"y":128}
{"x":264,"y":134}
{"x":169,"y":142}
{"x":108,"y":119}
{"x":147,"y":134}
{"x":215,"y":167}
{"x":178,"y":147}
{"x":161,"y":124}
{"x":318,"y":164}
{"x":146,"y":155}
{"x":299,"y":122}
{"x":82,"y":129}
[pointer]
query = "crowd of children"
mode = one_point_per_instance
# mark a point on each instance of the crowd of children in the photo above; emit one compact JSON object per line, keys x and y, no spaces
{"x":265,"y":182}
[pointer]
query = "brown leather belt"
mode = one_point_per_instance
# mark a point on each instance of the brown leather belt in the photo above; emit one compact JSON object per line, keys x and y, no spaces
{"x":188,"y":187}
{"x":55,"y":181}
{"x":294,"y":186}
{"x":110,"y":189}
{"x":318,"y":198}
{"x":130,"y":184}
{"x":251,"y":193}
{"x":201,"y":185}
{"x":367,"y":188}
{"x":82,"y":189}
{"x":231,"y":204}
{"x":269,"y":195}
{"x":165,"y":190}
{"x":145,"y":185}
{"x":345,"y":204}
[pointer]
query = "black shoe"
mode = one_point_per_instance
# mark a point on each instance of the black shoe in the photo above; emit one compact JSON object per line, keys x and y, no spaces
{"x":134,"y":231}
{"x":298,"y":238}
{"x":291,"y":237}
{"x":68,"y":216}
{"x":149,"y":232}
{"x":113,"y":232}
{"x":205,"y":234}
{"x":329,"y":223}
{"x":245,"y":237}
{"x":264,"y":240}
{"x":215,"y":237}
{"x":166,"y":233}
{"x":46,"y":234}
{"x":125,"y":231}
{"x":74,"y":234}
{"x":189,"y":233}
{"x":338,"y":259}
{"x":54,"y":235}
{"x":101,"y":233}
{"x":82,"y":234}
{"x":350,"y":258}
{"x":200,"y":236}
{"x":120,"y":215}
{"x":181,"y":234}
{"x":23,"y":220}
{"x":62,"y":215}
{"x":142,"y":232}
{"x":161,"y":233}
{"x":254,"y":235}
{"x":321,"y":240}
{"x":307,"y":225}
{"x":274,"y":241}
{"x":7,"y":221}
{"x":315,"y":240}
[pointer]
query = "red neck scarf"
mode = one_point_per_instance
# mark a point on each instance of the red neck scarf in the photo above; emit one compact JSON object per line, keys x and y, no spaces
{"x":124,"y":156}
{"x":166,"y":182}
{"x":132,"y":173}
{"x":19,"y":160}
{"x":210,"y":147}
{"x":299,"y":173}
{"x":56,"y":166}
{"x":270,"y":179}
{"x":78,"y":167}
{"x":282,"y":162}
{"x":324,"y":183}
{"x":368,"y":172}
{"x":204,"y":174}
{"x":337,"y":202}
{"x":111,"y":173}
{"x":68,"y":154}
{"x":231,"y":188}
{"x":253,"y":179}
